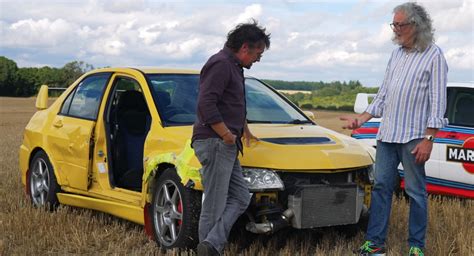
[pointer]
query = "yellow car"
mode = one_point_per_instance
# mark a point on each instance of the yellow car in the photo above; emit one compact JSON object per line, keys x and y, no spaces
{"x":118,"y":141}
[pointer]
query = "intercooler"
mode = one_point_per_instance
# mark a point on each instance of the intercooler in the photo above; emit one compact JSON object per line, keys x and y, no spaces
{"x":321,"y":205}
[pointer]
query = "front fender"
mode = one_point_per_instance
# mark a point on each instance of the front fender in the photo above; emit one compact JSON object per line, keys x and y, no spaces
{"x":190,"y":176}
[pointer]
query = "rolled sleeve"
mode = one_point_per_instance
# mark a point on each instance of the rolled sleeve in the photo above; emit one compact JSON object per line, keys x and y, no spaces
{"x":437,"y":93}
{"x":376,"y":107}
{"x":214,"y":79}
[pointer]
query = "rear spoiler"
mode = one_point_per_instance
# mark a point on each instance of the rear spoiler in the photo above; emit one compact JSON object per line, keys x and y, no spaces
{"x":42,"y":97}
{"x":362,"y":102}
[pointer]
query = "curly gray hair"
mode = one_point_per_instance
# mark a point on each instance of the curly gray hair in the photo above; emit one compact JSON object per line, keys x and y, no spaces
{"x":424,"y":32}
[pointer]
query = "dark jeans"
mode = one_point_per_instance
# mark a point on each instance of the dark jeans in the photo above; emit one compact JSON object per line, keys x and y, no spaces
{"x":226,"y":195}
{"x":389,"y":156}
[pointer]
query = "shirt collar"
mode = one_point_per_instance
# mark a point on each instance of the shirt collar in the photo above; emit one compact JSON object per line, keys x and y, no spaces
{"x":232,"y":56}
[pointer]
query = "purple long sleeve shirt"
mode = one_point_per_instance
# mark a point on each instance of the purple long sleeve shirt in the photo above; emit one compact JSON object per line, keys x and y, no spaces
{"x":221,"y":96}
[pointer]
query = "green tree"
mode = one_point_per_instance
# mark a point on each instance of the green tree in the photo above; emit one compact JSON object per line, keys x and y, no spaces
{"x":73,"y":70}
{"x":8,"y":76}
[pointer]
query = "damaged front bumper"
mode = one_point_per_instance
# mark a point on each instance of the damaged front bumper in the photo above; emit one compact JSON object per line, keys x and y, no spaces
{"x":311,"y":201}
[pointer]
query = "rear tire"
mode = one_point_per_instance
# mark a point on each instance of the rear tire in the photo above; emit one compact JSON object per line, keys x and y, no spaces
{"x":42,"y":182}
{"x":175,"y":212}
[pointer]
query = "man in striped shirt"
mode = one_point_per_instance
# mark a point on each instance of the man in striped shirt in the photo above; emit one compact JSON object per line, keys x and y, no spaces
{"x":412,"y":102}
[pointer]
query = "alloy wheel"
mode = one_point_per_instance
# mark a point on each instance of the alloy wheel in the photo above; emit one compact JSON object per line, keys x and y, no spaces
{"x":168,"y":216}
{"x":39,"y":182}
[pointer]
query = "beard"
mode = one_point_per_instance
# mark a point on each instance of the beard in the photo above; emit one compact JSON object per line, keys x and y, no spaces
{"x":396,"y":39}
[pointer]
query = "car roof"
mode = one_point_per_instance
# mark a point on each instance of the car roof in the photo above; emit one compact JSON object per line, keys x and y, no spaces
{"x":464,"y":85}
{"x":148,"y":70}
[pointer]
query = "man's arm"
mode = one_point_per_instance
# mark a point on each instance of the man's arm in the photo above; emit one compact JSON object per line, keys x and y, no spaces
{"x":224,"y":132}
{"x":355,"y":122}
{"x":213,"y":81}
{"x":437,"y":97}
{"x":422,"y":151}
{"x":375,"y":109}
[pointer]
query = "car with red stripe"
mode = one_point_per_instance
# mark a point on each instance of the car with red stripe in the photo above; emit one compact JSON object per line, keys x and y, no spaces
{"x":450,"y":170}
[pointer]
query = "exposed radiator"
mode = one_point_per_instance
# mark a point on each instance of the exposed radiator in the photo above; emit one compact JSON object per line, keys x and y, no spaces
{"x":323,"y":205}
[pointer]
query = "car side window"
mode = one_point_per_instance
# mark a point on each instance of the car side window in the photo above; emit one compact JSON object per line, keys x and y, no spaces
{"x":67,"y":103}
{"x":85,"y":100}
{"x":460,"y":106}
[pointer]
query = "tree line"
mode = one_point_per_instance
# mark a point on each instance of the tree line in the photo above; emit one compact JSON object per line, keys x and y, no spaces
{"x":25,"y":82}
{"x":334,"y":95}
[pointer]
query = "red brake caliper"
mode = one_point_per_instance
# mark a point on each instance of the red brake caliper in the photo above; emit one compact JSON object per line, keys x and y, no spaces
{"x":180,"y":210}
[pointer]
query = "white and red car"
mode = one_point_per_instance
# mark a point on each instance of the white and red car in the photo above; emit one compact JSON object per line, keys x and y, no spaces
{"x":450,"y":170}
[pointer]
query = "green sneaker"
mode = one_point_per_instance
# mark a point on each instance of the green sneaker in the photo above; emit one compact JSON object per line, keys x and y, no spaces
{"x":416,"y":251}
{"x":369,"y":249}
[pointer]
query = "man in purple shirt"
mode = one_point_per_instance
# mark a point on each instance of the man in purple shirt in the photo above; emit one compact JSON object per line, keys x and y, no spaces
{"x":217,"y":132}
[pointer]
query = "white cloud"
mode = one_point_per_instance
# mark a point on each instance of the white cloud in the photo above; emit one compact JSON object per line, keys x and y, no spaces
{"x":251,"y":12}
{"x":113,"y":47}
{"x":43,"y":32}
{"x":310,"y":40}
{"x":293,"y":36}
{"x":330,"y":58}
{"x":124,"y":5}
{"x":461,"y":58}
{"x":382,"y":36}
{"x":454,"y":16}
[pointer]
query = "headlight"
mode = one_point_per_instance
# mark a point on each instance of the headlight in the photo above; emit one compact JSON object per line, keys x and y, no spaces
{"x":262,"y":179}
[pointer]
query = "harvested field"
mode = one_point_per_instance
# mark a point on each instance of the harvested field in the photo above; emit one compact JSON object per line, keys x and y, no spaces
{"x":29,"y":231}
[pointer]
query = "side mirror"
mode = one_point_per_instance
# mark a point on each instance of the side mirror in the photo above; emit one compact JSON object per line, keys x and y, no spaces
{"x":310,"y":115}
{"x":362,"y":102}
{"x":42,"y":98}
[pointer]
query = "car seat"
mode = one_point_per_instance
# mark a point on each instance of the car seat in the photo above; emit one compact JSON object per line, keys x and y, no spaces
{"x":133,"y":124}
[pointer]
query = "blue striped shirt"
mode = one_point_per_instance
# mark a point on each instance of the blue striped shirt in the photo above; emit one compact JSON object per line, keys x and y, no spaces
{"x":412,"y":96}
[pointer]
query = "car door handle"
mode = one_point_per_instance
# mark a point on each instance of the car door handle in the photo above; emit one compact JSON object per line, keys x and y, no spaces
{"x":58,"y":124}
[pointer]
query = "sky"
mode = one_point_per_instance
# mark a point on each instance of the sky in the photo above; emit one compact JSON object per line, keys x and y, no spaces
{"x":337,"y":40}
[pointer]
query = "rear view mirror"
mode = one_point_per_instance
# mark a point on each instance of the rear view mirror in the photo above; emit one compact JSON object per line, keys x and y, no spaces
{"x":362,"y":102}
{"x":42,"y":98}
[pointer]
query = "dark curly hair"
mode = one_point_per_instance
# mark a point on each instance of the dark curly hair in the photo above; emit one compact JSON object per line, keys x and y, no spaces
{"x":250,"y":33}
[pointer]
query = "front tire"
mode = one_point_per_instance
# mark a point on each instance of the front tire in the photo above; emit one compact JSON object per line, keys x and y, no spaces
{"x":175,"y":212}
{"x":42,"y":182}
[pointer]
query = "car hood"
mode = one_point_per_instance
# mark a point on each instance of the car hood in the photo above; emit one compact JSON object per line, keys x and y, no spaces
{"x":285,"y":147}
{"x":303,"y":148}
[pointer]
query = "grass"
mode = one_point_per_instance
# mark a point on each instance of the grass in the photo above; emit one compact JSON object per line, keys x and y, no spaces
{"x":28,"y":231}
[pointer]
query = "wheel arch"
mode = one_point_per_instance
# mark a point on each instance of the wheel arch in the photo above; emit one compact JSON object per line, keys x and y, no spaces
{"x":35,"y":151}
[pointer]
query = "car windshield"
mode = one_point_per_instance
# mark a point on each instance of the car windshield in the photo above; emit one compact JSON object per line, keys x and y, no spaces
{"x":175,"y":96}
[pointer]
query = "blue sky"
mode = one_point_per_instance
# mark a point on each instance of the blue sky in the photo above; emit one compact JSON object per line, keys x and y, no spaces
{"x":311,"y":40}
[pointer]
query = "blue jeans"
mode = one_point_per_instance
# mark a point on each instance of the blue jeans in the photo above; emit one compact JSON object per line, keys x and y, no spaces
{"x":389,"y":156}
{"x":226,"y":194}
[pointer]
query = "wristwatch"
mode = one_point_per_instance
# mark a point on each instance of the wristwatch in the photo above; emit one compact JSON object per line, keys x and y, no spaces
{"x":429,"y":137}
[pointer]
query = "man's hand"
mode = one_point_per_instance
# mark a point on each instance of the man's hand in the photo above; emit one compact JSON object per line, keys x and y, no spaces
{"x":351,"y":122}
{"x":354,"y":122}
{"x":248,"y":136}
{"x":422,"y":151}
{"x":229,"y":138}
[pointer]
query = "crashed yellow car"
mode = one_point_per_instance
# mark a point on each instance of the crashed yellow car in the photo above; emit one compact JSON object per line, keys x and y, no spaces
{"x":118,"y":141}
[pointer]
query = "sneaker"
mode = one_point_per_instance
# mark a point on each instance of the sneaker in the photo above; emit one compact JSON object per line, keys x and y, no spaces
{"x":206,"y":249}
{"x":370,"y":249}
{"x":416,"y":251}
